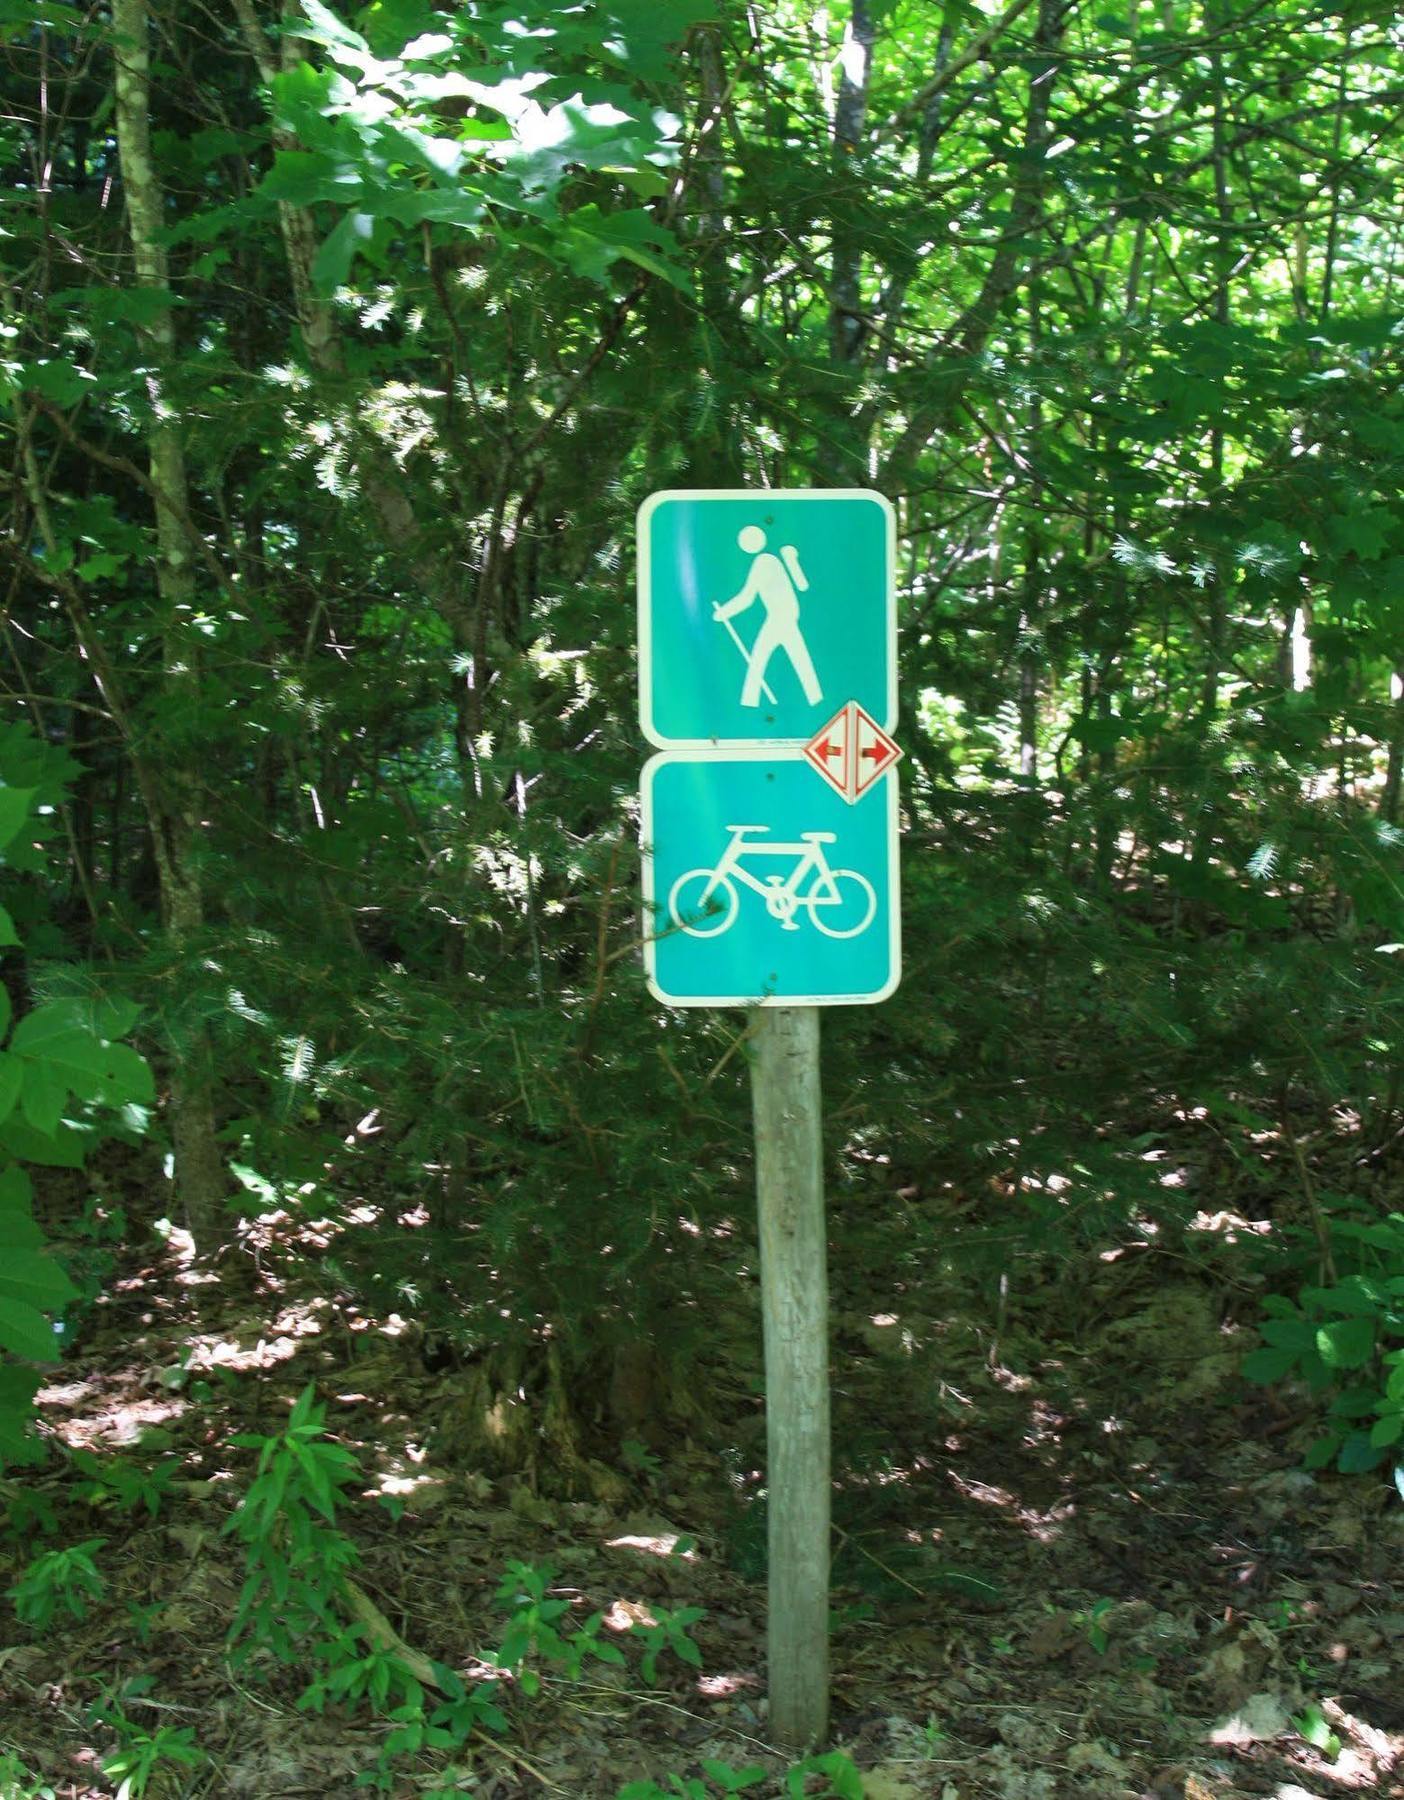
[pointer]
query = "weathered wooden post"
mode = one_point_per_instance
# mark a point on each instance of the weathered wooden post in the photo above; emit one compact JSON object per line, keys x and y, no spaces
{"x":788,"y":1113}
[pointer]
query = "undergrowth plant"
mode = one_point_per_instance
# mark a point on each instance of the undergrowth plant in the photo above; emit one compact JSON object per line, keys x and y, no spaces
{"x":123,"y":1485}
{"x":59,"y":1581}
{"x":16,"y":1781}
{"x":141,"y":1753}
{"x":1344,"y":1335}
{"x":717,"y":1778}
{"x":61,"y":1068}
{"x":536,"y":1627}
{"x":827,"y":1775}
{"x":668,"y":1632}
{"x":296,"y":1605}
{"x":293,"y":1596}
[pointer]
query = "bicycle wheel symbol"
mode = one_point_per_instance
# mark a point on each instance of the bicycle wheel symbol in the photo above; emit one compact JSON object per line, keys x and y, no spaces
{"x":703,"y":904}
{"x":848,"y":911}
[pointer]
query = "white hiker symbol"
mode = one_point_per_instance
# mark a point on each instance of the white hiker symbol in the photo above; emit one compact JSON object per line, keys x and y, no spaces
{"x":777,"y":585}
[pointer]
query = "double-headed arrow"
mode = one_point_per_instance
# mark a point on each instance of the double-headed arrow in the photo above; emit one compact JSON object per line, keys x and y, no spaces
{"x":851,"y":751}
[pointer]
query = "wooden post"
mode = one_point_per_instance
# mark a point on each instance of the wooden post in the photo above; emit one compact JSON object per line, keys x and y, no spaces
{"x":794,"y":1301}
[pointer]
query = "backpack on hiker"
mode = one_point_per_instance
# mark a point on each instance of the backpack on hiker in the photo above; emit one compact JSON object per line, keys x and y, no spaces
{"x":792,"y":562}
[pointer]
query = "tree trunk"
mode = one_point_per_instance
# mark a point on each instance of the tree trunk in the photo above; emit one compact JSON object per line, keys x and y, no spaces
{"x":199,"y":1172}
{"x":1389,"y":799}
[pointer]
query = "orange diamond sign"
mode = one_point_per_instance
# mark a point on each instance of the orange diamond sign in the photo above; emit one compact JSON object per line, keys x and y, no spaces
{"x":851,"y":751}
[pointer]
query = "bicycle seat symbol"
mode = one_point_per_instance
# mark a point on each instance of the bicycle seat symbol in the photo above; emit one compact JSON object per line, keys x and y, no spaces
{"x":840,"y":902}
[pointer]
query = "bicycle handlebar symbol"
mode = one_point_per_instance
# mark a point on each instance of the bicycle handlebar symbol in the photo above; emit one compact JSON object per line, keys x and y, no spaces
{"x":841,"y":902}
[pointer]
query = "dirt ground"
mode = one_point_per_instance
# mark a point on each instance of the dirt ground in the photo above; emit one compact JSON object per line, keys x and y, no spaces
{"x":1076,"y":1555}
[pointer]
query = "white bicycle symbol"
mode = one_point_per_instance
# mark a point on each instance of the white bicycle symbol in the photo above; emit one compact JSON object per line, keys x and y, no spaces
{"x":705,"y":902}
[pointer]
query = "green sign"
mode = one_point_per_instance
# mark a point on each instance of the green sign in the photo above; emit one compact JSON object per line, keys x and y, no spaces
{"x":762,"y":882}
{"x":762,"y":611}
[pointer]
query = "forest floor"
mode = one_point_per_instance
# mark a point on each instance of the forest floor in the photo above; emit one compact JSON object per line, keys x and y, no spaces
{"x":1077,"y":1555}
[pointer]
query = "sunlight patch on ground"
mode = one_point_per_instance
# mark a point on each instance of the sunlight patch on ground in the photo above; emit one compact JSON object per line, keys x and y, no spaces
{"x":1045,"y":1527}
{"x":1230,"y":1224}
{"x":208,"y":1350}
{"x":1045,"y":1425}
{"x":624,"y":1615}
{"x":111,"y":1419}
{"x":415,"y":1490}
{"x":664,"y":1545}
{"x":725,"y":1687}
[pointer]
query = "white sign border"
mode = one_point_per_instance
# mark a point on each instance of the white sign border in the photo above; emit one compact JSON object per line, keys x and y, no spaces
{"x":642,"y":539}
{"x":771,"y":752}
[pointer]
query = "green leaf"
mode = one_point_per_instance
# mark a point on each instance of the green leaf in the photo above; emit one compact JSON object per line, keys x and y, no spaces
{"x":16,"y":1197}
{"x":101,"y":566}
{"x":1312,"y":1724}
{"x":1358,"y":1455}
{"x":60,"y":1040}
{"x":59,"y":381}
{"x":1387,"y":1430}
{"x":25,"y":1332}
{"x":645,"y":34}
{"x":32,"y":1276}
{"x":323,"y":27}
{"x":15,"y":807}
{"x":18,"y":1387}
{"x":42,"y":1098}
{"x":303,"y":177}
{"x":1268,"y":1365}
{"x":333,"y":261}
{"x":592,"y":241}
{"x":64,"y":1150}
{"x":732,"y":1781}
{"x":8,"y":934}
{"x":1346,"y":1343}
{"x":1363,"y":531}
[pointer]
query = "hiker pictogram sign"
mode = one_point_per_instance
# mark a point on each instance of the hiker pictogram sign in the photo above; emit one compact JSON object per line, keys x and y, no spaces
{"x":760,"y":610}
{"x":851,"y":752}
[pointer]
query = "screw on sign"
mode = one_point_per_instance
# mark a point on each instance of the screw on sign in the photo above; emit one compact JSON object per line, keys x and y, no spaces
{"x":770,"y":881}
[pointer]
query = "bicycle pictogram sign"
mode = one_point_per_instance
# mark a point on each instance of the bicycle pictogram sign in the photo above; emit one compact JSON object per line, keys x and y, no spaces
{"x":840,"y":902}
{"x":762,"y":884}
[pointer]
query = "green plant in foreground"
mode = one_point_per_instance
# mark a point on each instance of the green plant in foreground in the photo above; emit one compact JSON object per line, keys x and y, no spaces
{"x":143,"y":1752}
{"x":294,"y":1590}
{"x":668,"y":1632}
{"x":532,"y":1628}
{"x":462,"y":1714}
{"x":1315,"y":1728}
{"x":16,"y":1782}
{"x":140,"y":1753}
{"x":720,"y":1777}
{"x":374,"y":1673}
{"x":27,"y":1513}
{"x":59,"y":1580}
{"x":1090,"y":1623}
{"x":837,"y":1771}
{"x":1334,"y":1339}
{"x":118,"y":1482}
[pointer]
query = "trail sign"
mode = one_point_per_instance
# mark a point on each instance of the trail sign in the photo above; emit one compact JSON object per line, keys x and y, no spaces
{"x":763,"y":885}
{"x":851,"y":752}
{"x":760,"y":610}
{"x":770,"y":880}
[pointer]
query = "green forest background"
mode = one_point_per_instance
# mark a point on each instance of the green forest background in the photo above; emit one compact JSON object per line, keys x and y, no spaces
{"x":339,"y":349}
